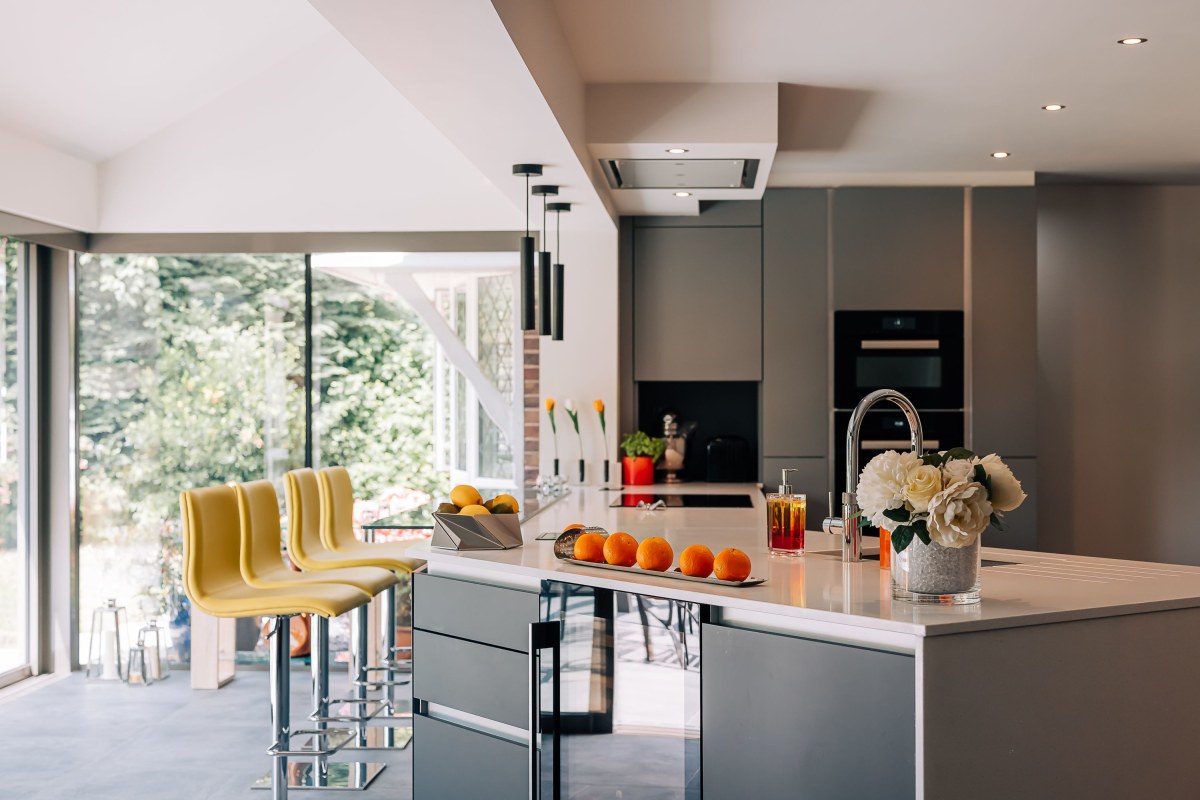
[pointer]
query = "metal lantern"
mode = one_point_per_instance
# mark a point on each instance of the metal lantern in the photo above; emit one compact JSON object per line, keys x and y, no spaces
{"x":105,"y":661}
{"x":153,"y":640}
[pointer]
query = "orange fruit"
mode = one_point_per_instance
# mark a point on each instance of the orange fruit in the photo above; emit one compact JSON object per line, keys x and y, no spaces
{"x":732,"y":564}
{"x":574,"y":526}
{"x":655,"y":554}
{"x":620,"y":549}
{"x":696,"y":560}
{"x":590,"y":547}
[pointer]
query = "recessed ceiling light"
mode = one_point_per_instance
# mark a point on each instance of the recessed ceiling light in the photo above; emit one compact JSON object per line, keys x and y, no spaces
{"x":676,"y":150}
{"x":683,"y":194}
{"x":1133,"y":40}
{"x":1000,"y":154}
{"x":1053,"y":107}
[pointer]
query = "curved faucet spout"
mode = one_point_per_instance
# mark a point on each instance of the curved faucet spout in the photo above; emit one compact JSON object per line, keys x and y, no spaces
{"x":849,"y":525}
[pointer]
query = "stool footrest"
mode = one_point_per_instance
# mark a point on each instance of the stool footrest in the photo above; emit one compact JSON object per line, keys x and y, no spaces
{"x":379,"y":684}
{"x":313,"y":742}
{"x":342,"y":775}
{"x":350,"y":709}
{"x":383,"y":737}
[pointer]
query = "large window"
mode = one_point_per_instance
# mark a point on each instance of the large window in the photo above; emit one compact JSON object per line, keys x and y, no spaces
{"x":14,"y":558}
{"x":190,"y":374}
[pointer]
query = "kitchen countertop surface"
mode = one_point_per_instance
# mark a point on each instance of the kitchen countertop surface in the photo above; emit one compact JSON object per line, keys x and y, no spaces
{"x":1034,"y":588}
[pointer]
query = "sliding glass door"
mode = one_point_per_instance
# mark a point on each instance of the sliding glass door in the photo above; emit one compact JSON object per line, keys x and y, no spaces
{"x":14,"y":534}
{"x":191,"y":373}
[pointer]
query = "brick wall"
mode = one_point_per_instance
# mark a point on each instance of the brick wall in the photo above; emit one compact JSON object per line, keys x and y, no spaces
{"x":533,"y":406}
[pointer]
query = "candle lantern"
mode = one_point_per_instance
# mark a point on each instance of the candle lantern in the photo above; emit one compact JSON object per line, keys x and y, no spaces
{"x":105,"y":660}
{"x":153,"y":641}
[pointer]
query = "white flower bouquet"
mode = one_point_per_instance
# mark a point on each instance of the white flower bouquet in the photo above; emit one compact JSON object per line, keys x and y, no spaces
{"x":948,"y":497}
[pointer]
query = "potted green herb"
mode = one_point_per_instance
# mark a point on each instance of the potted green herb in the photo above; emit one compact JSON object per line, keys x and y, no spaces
{"x":641,"y":451}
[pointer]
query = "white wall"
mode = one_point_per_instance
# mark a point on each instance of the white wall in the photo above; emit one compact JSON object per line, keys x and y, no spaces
{"x":42,"y":183}
{"x":583,"y":366}
{"x":318,"y":142}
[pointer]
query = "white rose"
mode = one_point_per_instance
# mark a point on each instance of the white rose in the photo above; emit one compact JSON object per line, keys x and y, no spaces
{"x":1007,"y":493}
{"x":957,"y":471}
{"x":881,"y":485}
{"x":922,"y":484}
{"x":958,"y":514}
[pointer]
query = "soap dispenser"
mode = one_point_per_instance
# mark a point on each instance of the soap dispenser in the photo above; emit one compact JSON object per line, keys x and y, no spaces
{"x":785,"y":519}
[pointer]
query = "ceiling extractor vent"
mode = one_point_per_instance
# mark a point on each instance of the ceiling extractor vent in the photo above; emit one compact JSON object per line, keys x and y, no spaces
{"x":689,"y":173}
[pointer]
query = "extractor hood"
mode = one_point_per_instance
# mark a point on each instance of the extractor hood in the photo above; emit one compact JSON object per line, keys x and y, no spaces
{"x":687,"y":173}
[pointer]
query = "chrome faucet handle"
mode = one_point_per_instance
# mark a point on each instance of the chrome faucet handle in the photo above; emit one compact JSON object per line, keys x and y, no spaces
{"x":831,"y":524}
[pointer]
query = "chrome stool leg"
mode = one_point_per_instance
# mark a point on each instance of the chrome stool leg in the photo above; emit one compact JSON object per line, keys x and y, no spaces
{"x":321,"y":742}
{"x":349,"y":709}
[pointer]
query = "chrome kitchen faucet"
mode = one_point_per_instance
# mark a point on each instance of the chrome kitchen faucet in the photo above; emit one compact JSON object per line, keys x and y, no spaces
{"x":849,"y":525}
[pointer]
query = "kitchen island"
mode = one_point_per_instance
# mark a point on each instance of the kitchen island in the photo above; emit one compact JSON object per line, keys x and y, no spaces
{"x":1074,"y":677}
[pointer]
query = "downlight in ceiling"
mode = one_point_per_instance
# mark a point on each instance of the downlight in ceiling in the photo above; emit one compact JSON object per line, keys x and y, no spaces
{"x":670,"y":173}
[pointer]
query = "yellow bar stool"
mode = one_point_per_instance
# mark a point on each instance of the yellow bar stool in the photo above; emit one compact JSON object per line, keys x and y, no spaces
{"x":212,"y":544}
{"x":308,"y":550}
{"x":262,"y":565}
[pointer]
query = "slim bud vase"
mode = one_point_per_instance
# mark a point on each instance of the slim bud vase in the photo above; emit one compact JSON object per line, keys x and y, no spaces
{"x":581,"y":470}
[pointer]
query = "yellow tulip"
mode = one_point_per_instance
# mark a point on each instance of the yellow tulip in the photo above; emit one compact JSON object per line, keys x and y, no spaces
{"x":598,"y":405}
{"x":549,"y":403}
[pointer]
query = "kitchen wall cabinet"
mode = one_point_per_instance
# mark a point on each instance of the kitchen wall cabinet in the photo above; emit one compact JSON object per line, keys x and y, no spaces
{"x":846,"y":728}
{"x":1004,"y":321}
{"x":898,"y":249}
{"x":795,"y":381}
{"x":697,"y":303}
{"x":812,"y":480}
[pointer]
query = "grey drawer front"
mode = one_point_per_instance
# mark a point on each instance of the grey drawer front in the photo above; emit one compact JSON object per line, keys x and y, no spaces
{"x":475,"y":611}
{"x":453,"y":763}
{"x":840,"y":724}
{"x":475,"y":678}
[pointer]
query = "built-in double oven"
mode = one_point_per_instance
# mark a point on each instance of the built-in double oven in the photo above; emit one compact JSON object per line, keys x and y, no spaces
{"x":918,"y":353}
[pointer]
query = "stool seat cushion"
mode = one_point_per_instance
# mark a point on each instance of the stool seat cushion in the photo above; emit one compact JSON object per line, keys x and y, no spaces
{"x":326,"y":599}
{"x":389,"y":555}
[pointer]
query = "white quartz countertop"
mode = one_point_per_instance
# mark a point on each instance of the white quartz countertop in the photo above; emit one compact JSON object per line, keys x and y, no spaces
{"x":1032,"y":589}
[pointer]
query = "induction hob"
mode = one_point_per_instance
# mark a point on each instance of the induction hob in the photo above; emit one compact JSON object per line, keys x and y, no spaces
{"x":688,"y":500}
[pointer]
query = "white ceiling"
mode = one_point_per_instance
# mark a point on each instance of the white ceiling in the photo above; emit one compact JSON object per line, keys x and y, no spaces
{"x":94,"y":78}
{"x":924,"y":90}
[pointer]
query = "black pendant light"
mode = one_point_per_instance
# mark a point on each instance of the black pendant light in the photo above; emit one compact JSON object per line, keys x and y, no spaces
{"x":543,"y":300}
{"x":527,"y":281}
{"x":556,"y":281}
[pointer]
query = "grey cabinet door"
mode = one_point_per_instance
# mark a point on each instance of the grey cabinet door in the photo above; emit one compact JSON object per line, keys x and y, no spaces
{"x":812,"y":481}
{"x":898,"y":249}
{"x":493,"y":615}
{"x":840,"y":724}
{"x":1020,"y":526}
{"x":453,"y":763}
{"x":697,"y":304}
{"x":795,"y":381}
{"x":1004,"y":320}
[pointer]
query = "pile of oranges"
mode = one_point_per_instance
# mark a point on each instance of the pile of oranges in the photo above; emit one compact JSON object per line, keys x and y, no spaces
{"x":655,"y":554}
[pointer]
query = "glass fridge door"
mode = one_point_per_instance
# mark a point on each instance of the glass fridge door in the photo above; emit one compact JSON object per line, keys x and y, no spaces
{"x":629,"y":682}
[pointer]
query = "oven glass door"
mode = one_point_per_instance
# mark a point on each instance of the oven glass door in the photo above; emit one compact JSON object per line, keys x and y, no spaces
{"x":917,"y":353}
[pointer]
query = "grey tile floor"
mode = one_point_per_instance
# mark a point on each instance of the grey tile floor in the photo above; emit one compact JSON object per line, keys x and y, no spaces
{"x":103,"y":741}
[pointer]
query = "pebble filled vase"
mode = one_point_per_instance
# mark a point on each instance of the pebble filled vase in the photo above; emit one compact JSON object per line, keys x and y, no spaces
{"x":930,"y":573}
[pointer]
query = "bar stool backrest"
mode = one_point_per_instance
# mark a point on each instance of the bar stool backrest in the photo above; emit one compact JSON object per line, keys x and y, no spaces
{"x":302,"y":492}
{"x":258,"y":509}
{"x":211,"y":542}
{"x":337,"y":508}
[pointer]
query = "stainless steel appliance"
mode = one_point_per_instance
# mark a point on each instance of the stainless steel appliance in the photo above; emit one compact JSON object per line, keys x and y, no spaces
{"x":918,"y":353}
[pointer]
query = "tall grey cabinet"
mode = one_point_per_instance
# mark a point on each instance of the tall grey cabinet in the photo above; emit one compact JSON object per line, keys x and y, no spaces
{"x":1003,"y":353}
{"x":795,"y":384}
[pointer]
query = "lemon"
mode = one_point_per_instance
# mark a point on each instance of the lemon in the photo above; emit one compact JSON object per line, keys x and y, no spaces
{"x":474,"y":510}
{"x":508,"y":500}
{"x":465,"y":495}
